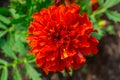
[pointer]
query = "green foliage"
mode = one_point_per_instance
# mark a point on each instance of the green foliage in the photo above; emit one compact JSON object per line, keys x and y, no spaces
{"x":2,"y":33}
{"x":4,"y":19}
{"x":4,"y":75}
{"x":110,"y":3}
{"x":101,"y":2}
{"x":7,"y":50}
{"x":3,"y":62}
{"x":110,"y":29}
{"x":20,"y":46}
{"x":16,"y":74}
{"x":4,"y":11}
{"x":14,"y":22}
{"x":32,"y":73}
{"x":88,"y":6}
{"x":85,"y":6}
{"x":2,"y":26}
{"x":100,"y":33}
{"x":115,"y":16}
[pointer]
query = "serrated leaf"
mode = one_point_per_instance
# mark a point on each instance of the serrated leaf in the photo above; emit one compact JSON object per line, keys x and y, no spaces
{"x":7,"y":50}
{"x":16,"y":74}
{"x":20,"y":46}
{"x":4,"y":75}
{"x":3,"y":61}
{"x":2,"y":26}
{"x":113,"y":15}
{"x":11,"y":39}
{"x":110,"y":3}
{"x":4,"y":19}
{"x":32,"y":73}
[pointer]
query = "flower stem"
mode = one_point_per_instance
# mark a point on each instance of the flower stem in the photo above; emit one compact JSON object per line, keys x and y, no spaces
{"x":18,"y":61}
{"x":100,"y":11}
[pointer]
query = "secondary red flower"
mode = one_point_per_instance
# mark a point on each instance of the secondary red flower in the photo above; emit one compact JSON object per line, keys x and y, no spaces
{"x":60,"y":37}
{"x":94,"y":4}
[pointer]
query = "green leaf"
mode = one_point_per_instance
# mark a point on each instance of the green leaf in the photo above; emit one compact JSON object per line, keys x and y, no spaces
{"x":28,"y":3}
{"x":7,"y":49}
{"x":19,"y":20}
{"x":16,"y":74}
{"x":71,"y":71}
{"x":63,"y":73}
{"x":14,"y":14}
{"x":1,"y":67}
{"x":96,"y":35}
{"x":4,"y":75}
{"x":110,"y":29}
{"x":3,"y":62}
{"x":2,"y":26}
{"x":88,"y":6}
{"x":100,"y":32}
{"x":113,"y":15}
{"x":31,"y":58}
{"x":101,"y":2}
{"x":20,"y":46}
{"x":2,"y":33}
{"x":4,"y":19}
{"x":4,"y":11}
{"x":110,"y":3}
{"x":32,"y":73}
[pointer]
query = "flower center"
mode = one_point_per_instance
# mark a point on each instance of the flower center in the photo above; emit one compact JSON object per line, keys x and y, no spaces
{"x":56,"y":36}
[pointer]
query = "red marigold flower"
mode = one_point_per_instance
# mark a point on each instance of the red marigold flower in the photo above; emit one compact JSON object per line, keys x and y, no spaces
{"x":60,"y":37}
